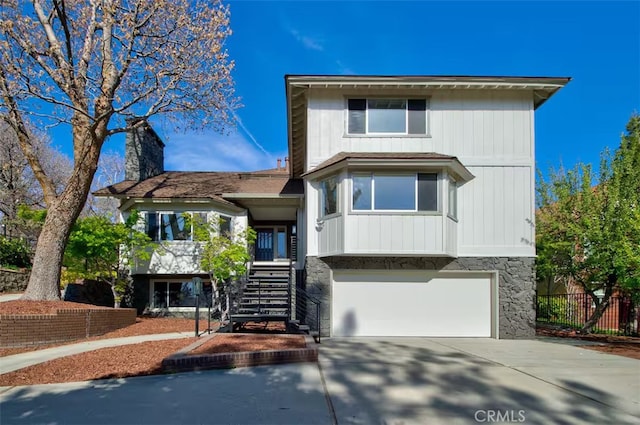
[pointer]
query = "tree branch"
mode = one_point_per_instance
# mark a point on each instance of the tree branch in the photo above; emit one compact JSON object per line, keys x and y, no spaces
{"x":54,"y":47}
{"x":14,"y":119}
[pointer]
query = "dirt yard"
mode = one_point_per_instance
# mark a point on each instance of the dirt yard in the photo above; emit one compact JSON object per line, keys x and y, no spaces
{"x":226,"y":343}
{"x":619,"y":345}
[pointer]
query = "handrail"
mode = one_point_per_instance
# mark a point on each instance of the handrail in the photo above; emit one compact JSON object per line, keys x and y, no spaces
{"x":289,"y":292}
{"x":313,"y":300}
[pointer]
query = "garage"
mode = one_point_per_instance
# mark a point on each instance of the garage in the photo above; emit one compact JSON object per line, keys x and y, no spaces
{"x":413,"y":303}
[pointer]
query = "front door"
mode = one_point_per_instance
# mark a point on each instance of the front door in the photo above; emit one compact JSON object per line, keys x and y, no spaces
{"x":271,"y":243}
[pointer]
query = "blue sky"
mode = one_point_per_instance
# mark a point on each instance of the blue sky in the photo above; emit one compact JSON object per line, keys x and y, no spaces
{"x":595,"y":43}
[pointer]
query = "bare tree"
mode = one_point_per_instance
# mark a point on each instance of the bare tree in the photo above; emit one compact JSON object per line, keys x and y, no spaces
{"x":110,"y":171}
{"x":18,"y":185}
{"x":99,"y":66}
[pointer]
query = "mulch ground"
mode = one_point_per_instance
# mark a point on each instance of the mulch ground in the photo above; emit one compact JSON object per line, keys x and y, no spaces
{"x":143,"y":326}
{"x":134,"y":359}
{"x":113,"y":362}
{"x":42,"y":307}
{"x":626,"y":346}
{"x":230,"y":343}
{"x":139,"y":359}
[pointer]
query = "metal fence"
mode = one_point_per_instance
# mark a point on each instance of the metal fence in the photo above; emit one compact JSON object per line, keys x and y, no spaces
{"x":572,"y":310}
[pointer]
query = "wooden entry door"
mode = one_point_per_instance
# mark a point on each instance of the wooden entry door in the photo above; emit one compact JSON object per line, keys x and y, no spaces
{"x":271,"y":243}
{"x":264,"y":245}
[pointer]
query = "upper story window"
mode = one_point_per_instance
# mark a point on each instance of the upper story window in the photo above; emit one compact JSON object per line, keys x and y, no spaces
{"x":329,"y":196}
{"x":387,"y":116}
{"x":172,"y":226}
{"x":395,"y":192}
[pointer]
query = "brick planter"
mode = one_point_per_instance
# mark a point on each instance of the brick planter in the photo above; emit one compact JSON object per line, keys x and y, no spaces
{"x":64,"y":325}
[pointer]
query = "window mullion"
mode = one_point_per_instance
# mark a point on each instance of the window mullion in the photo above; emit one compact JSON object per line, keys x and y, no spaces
{"x":415,"y":197}
{"x":373,"y":192}
{"x":406,"y":117}
{"x":366,"y":116}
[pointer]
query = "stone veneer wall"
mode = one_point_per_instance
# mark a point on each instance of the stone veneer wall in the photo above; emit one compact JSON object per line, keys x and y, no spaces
{"x":13,"y":280}
{"x":516,"y":285}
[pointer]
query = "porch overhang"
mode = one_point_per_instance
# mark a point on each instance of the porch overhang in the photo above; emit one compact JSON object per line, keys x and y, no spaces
{"x":268,"y":206}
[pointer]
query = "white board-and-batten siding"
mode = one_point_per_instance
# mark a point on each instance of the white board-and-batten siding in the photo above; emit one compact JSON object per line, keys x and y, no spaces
{"x":490,"y":132}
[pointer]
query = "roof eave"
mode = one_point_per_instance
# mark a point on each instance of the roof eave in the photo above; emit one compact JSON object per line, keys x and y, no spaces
{"x":262,"y":195}
{"x":436,"y":81}
{"x":453,"y":164}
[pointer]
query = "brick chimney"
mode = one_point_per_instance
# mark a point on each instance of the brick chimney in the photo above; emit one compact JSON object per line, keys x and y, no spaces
{"x":286,"y":163}
{"x":279,"y":164}
{"x":144,"y":152}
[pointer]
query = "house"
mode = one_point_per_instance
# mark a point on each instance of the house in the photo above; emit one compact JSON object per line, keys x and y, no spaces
{"x":406,"y":205}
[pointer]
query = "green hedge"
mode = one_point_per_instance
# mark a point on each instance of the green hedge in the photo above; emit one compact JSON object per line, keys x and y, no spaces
{"x":14,"y":253}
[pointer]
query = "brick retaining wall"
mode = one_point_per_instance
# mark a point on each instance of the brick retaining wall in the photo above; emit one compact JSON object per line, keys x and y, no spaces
{"x":64,"y":325}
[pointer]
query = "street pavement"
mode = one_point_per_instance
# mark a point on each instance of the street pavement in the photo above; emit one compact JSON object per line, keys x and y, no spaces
{"x":363,"y":381}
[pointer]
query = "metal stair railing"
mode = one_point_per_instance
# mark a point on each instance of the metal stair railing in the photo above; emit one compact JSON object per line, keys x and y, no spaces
{"x":289,"y":292}
{"x":302,"y":301}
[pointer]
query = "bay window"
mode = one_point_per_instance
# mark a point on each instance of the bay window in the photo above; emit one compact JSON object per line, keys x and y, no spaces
{"x":453,"y":199}
{"x":329,"y":196}
{"x":395,"y":192}
{"x":169,"y":226}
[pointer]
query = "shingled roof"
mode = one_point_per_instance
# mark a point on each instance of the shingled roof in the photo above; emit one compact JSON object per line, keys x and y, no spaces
{"x":199,"y":185}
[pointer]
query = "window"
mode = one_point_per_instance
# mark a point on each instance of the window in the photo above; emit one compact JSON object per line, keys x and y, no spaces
{"x":329,"y":196}
{"x":179,"y":294}
{"x":387,"y":116}
{"x":172,"y":226}
{"x":225,"y":226}
{"x":453,"y":199}
{"x":395,"y":192}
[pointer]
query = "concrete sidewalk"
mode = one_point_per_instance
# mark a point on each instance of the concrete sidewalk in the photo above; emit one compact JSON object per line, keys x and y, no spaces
{"x":30,"y":358}
{"x":9,"y":297}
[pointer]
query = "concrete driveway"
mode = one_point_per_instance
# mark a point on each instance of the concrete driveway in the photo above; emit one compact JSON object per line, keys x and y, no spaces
{"x":362,"y":381}
{"x":447,"y":380}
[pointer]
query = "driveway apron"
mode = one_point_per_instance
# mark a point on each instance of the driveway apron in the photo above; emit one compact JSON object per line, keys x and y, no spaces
{"x":462,"y":381}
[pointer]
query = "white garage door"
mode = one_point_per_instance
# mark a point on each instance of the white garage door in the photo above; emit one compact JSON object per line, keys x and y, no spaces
{"x":411,"y":303}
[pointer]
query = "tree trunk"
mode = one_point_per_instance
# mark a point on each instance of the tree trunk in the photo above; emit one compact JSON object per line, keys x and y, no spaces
{"x":601,"y":306}
{"x":62,"y":212}
{"x":116,"y":297}
{"x":44,"y":281}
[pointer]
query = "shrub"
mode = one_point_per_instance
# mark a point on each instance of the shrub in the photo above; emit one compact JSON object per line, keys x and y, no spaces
{"x":14,"y":253}
{"x":552,"y":309}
